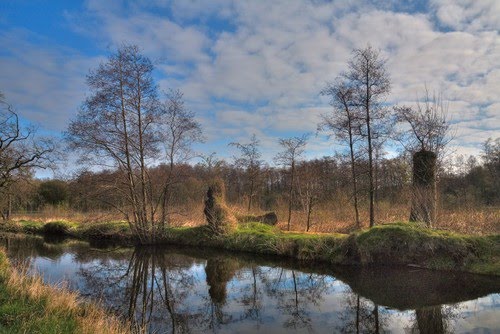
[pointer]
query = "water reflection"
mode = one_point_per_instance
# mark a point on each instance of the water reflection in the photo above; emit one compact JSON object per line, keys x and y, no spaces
{"x":430,"y":320}
{"x":168,"y":290}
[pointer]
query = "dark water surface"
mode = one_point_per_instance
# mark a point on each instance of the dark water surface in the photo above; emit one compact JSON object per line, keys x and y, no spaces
{"x":181,"y":290}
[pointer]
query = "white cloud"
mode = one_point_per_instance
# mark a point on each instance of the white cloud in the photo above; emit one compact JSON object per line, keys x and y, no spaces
{"x":45,"y":82}
{"x":471,"y":15}
{"x":262,"y":70}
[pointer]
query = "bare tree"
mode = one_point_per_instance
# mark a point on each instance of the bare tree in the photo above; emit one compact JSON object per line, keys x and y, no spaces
{"x":20,"y":150}
{"x":430,"y":132}
{"x":122,"y":124}
{"x":211,"y":163}
{"x":249,"y":159}
{"x":370,"y":82}
{"x":309,"y":188}
{"x":115,"y":127}
{"x":344,"y":122}
{"x":429,"y":127}
{"x":178,"y":132}
{"x":293,"y":148}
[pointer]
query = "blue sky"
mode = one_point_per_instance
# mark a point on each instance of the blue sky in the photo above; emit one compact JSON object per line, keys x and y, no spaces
{"x":257,"y":66}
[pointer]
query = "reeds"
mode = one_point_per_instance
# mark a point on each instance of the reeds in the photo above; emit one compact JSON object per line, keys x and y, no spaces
{"x":335,"y":216}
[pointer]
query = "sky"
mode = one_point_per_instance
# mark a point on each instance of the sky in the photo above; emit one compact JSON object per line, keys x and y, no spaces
{"x":256,"y":66}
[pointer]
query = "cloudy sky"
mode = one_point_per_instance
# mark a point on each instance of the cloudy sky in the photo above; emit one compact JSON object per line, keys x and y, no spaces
{"x":257,"y":66}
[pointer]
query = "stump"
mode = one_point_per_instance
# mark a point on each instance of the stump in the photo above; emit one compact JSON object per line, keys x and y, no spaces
{"x":218,"y":216}
{"x":423,"y":207}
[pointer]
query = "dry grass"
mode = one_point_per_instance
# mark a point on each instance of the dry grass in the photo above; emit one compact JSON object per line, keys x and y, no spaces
{"x":58,"y":304}
{"x":470,"y":221}
{"x":50,"y":214}
{"x":337,"y":216}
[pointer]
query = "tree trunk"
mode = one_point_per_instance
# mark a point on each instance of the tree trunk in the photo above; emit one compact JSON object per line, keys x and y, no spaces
{"x":353,"y":173}
{"x":423,"y":206}
{"x":309,"y":211}
{"x":250,"y":195}
{"x":290,"y":194}
{"x":370,"y":153}
{"x":9,"y":208}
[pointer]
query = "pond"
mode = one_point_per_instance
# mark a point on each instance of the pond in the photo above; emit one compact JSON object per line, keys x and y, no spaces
{"x":183,"y":290}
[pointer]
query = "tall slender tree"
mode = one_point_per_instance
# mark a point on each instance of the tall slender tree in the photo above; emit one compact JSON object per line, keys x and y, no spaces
{"x":178,"y":131}
{"x":293,"y":148}
{"x":249,"y":160}
{"x":368,"y":77}
{"x":344,"y":122}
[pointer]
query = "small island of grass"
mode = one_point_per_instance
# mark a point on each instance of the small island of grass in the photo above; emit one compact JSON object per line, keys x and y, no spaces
{"x":406,"y":244}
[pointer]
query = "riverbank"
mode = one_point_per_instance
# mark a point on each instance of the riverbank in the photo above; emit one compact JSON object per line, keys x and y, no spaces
{"x":392,"y":244}
{"x":27,"y":305}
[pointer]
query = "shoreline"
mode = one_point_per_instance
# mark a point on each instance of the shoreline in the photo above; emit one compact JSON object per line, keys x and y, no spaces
{"x":401,"y":244}
{"x":28,"y":305}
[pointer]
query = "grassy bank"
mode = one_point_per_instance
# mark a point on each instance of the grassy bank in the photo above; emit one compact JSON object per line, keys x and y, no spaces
{"x":27,"y":305}
{"x":391,"y":244}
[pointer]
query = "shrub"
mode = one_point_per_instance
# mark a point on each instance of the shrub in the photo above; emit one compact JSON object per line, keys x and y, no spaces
{"x":58,"y":227}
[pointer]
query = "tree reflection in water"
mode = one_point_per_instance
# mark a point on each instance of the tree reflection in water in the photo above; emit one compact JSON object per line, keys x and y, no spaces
{"x":251,"y":294}
{"x":430,"y":320}
{"x":436,"y":319}
{"x":296,"y":294}
{"x":165,"y":290}
{"x":150,"y":289}
{"x":155,"y":286}
{"x":360,"y":315}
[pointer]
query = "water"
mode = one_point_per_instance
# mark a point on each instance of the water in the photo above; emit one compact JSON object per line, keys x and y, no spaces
{"x":181,"y":290}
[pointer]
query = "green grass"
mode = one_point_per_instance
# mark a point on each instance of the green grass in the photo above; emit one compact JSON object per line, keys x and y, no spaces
{"x":21,"y":315}
{"x":27,"y":305}
{"x":406,"y":243}
{"x":391,"y":244}
{"x":115,"y":230}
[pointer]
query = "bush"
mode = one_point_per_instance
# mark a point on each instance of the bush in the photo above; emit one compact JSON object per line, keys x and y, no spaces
{"x":58,"y":227}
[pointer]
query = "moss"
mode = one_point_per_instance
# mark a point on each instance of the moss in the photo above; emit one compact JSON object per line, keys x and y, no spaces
{"x":31,"y":226}
{"x":194,"y":236}
{"x":259,"y":228}
{"x":404,"y":244}
{"x":392,"y":244}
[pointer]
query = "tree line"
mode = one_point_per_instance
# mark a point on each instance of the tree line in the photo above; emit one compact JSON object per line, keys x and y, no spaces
{"x":142,"y":140}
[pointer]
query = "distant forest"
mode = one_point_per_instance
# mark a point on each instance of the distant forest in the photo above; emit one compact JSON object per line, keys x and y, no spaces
{"x":141,"y":141}
{"x":464,"y":182}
